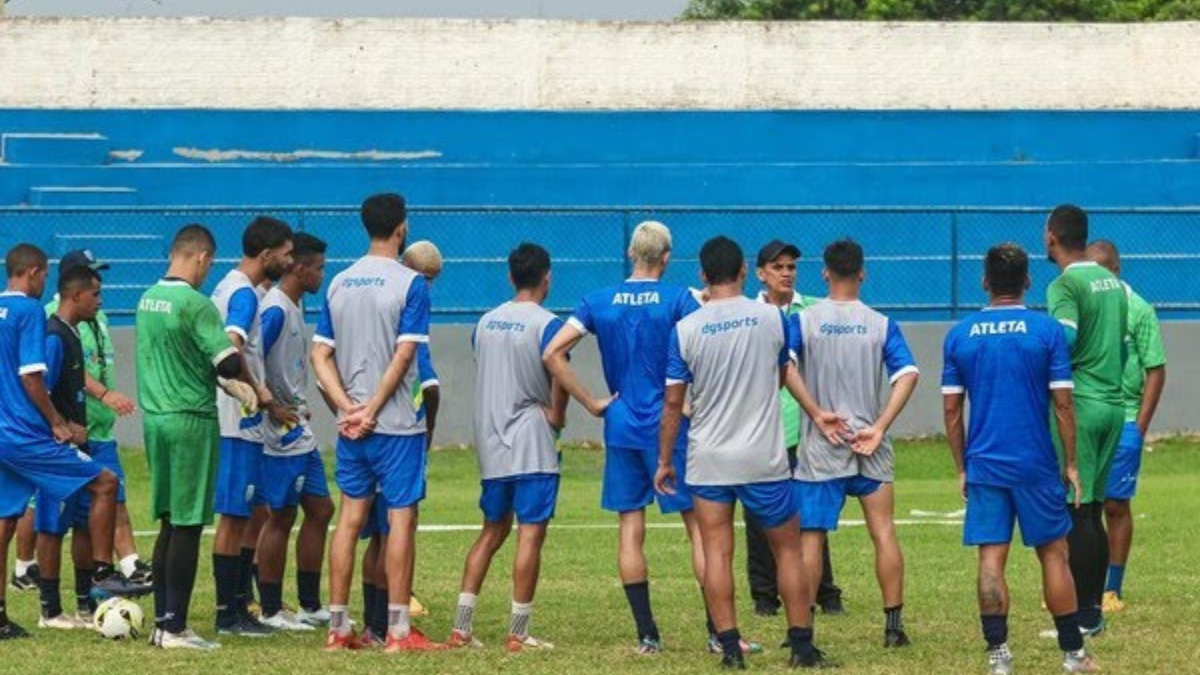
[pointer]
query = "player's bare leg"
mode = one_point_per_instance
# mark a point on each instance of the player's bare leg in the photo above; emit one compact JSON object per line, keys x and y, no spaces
{"x":796,"y":590}
{"x":479,"y":559}
{"x":351,"y":518}
{"x":1118,"y":517}
{"x":716,"y":533}
{"x":878,"y":509}
{"x":992,"y":591}
{"x":272,"y":563}
{"x":399,"y":554}
{"x":1058,"y":588}
{"x":812,"y":542}
{"x":527,"y":565}
{"x":102,"y":518}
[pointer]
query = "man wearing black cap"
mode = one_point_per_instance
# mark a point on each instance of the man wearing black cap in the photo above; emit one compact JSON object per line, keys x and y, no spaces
{"x":777,"y":271}
{"x":104,"y":404}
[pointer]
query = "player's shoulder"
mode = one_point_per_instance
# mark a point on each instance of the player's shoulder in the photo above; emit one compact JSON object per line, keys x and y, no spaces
{"x":274,"y":298}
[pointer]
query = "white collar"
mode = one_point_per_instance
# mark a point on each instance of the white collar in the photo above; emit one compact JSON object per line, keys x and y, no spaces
{"x":1083,"y":263}
{"x":996,"y":308}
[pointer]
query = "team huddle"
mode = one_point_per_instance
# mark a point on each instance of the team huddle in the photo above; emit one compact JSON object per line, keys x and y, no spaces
{"x":782,"y":403}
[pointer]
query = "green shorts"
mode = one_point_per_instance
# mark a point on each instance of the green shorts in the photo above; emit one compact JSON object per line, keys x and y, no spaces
{"x":182,"y":451}
{"x":1097,"y":430}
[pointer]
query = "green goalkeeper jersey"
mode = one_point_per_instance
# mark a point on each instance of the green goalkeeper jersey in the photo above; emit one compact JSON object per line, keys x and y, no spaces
{"x":180,"y":339}
{"x":1088,"y":299}
{"x":1145,"y":351}
{"x":789,"y":407}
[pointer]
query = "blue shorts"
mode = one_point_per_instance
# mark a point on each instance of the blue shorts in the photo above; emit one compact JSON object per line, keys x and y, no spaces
{"x":238,"y":477}
{"x":286,"y":479}
{"x":57,"y":518}
{"x":629,"y":481}
{"x":377,"y":520}
{"x":54,"y":469}
{"x":771,"y":503}
{"x":105,"y":453}
{"x":395,"y":463}
{"x":821,"y":502}
{"x":531,"y":497}
{"x":1127,"y":463}
{"x":991,"y":511}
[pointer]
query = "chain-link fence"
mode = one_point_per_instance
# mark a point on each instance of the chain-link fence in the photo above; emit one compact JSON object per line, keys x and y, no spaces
{"x":922,"y":263}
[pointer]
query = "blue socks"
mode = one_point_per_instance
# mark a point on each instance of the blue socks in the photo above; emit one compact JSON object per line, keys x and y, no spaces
{"x":1116,"y":577}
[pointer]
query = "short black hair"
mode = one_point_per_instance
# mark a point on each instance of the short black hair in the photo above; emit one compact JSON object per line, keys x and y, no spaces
{"x":305,"y":247}
{"x":382,"y":214}
{"x":528,"y":264}
{"x":1069,"y":224}
{"x":264,"y":233}
{"x":76,"y":277}
{"x":844,"y":258}
{"x":194,"y":238}
{"x":721,"y":260}
{"x":1006,"y":268}
{"x":24,"y":257}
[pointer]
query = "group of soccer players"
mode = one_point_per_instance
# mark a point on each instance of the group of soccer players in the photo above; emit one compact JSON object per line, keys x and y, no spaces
{"x":702,"y":410}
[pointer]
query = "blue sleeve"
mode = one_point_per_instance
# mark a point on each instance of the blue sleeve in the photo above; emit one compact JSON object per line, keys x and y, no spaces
{"x":32,"y":342}
{"x":54,"y":359}
{"x":1060,"y":358}
{"x":582,"y":318}
{"x":677,"y":368}
{"x":896,"y":355}
{"x":272,"y":327}
{"x":549,"y":331}
{"x":239,"y":317}
{"x":795,"y":338}
{"x":785,"y":353}
{"x":952,"y":382}
{"x":686,"y":305}
{"x":425,"y":372}
{"x":414,"y":321}
{"x":324,"y":332}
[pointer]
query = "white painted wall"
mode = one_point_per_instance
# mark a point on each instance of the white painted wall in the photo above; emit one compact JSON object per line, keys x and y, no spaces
{"x":549,"y":65}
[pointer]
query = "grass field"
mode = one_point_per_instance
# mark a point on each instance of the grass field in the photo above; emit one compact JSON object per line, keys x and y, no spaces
{"x":581,"y":608}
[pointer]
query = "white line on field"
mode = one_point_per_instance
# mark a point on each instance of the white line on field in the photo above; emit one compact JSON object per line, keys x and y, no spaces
{"x":609,"y":526}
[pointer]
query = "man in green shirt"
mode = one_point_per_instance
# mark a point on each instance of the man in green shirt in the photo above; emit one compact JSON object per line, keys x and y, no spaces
{"x":1142,"y":387}
{"x":777,"y":271}
{"x":1091,"y":305}
{"x":104,"y":404}
{"x":182,"y":354}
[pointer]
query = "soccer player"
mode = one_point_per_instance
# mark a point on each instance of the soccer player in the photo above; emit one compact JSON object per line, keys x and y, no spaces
{"x":519,"y":411}
{"x":733,"y":353}
{"x":266,"y":255}
{"x":79,"y":288}
{"x":183,"y":352}
{"x":632,"y":322}
{"x":104,"y":405}
{"x":292,"y":471}
{"x":34,"y":454}
{"x":1009,"y":362}
{"x":1092,"y":306}
{"x":1141,"y":386}
{"x":846,"y":349}
{"x":376,"y":313}
{"x":777,"y":273}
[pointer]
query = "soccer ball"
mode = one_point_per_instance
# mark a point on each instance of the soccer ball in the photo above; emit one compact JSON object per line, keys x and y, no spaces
{"x":119,"y":619}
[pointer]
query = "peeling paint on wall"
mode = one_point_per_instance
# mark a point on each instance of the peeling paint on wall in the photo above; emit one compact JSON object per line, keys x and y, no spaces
{"x":126,"y":155}
{"x":238,"y":155}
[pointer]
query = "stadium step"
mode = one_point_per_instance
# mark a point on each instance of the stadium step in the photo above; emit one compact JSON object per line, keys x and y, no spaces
{"x":53,"y":148}
{"x":82,"y":196}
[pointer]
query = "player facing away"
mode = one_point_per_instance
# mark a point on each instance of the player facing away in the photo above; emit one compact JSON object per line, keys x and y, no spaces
{"x":183,"y":354}
{"x":79,"y":288}
{"x":266,"y":255}
{"x":846,"y":350}
{"x":293,"y":473}
{"x":733,"y":353}
{"x":376,"y":313}
{"x":518,"y":413}
{"x":1092,"y":306}
{"x":34,"y":450}
{"x":1009,"y":362}
{"x":632,"y":323}
{"x":1141,"y":387}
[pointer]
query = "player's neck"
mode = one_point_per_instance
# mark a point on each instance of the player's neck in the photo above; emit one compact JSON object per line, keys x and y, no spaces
{"x":781,"y":298}
{"x":641,"y":271}
{"x":253,"y":270}
{"x":724,"y":291}
{"x":529,"y":295}
{"x":1007,"y":301}
{"x":1065,"y":259}
{"x":844,"y":290}
{"x":290,"y":286}
{"x":16,"y":286}
{"x":67,"y":314}
{"x":384,"y":248}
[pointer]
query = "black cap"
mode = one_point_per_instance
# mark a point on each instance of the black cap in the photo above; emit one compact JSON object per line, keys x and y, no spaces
{"x":80,"y":257}
{"x":774,"y":249}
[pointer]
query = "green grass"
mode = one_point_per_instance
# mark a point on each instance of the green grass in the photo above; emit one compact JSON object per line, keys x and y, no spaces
{"x":581,"y":608}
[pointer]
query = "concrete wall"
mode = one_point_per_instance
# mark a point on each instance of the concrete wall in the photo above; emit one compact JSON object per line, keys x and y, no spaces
{"x":532,"y":65}
{"x":451,"y":344}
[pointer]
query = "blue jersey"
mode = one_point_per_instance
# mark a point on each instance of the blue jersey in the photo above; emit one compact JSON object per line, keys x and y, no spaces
{"x":1006,"y":360}
{"x":632,"y":323}
{"x":22,"y":351}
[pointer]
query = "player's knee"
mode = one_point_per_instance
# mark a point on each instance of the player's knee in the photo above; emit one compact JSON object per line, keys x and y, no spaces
{"x":1116,"y":509}
{"x":319,"y":511}
{"x":104,"y":485}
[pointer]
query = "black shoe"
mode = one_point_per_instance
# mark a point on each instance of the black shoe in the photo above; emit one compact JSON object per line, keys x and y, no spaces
{"x":735,"y":662}
{"x":243,"y":625}
{"x":143,"y":574}
{"x":813,"y":659}
{"x":113,"y":583}
{"x":12,"y":631}
{"x":833,"y":606}
{"x":895,"y":638}
{"x":28,"y":581}
{"x":766,"y":608}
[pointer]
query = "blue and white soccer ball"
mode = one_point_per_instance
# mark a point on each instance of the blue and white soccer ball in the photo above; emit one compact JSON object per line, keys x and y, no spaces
{"x":119,"y":619}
